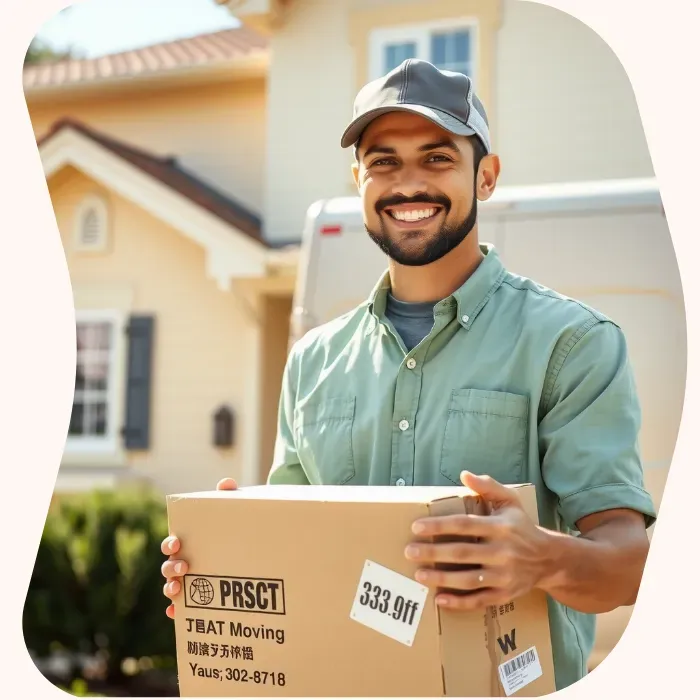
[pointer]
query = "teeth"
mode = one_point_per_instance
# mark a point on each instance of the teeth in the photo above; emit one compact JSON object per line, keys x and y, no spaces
{"x":413,"y":215}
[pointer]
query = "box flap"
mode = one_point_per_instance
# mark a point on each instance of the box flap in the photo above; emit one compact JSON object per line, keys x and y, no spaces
{"x":455,"y":625}
{"x":491,"y":633}
{"x":331,"y":493}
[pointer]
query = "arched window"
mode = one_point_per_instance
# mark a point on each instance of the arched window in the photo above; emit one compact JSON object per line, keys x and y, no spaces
{"x":92,"y":224}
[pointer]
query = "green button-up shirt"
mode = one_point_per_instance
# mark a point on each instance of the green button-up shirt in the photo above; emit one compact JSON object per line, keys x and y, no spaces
{"x":514,"y":381}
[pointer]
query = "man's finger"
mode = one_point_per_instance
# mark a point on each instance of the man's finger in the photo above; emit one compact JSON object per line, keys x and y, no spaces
{"x":170,"y":611}
{"x":451,"y":553}
{"x":487,"y":526}
{"x":171,"y":588}
{"x":170,"y":545}
{"x":465,"y":580}
{"x":227,"y":484}
{"x":173,"y":568}
{"x":489,"y":489}
{"x":473,"y":601}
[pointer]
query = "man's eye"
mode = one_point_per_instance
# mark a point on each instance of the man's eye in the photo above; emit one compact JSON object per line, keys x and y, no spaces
{"x":438,"y":157}
{"x":382,"y":161}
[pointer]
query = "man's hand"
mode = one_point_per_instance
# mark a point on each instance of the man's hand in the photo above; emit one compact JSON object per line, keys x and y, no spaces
{"x":174,"y":569}
{"x":509,"y":559}
{"x":594,"y":573}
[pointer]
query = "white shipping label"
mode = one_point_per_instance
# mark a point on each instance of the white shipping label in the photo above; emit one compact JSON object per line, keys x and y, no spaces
{"x":520,"y":671}
{"x":389,"y":603}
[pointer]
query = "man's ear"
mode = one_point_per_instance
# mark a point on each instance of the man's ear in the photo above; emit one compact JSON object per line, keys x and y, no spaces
{"x":487,"y":176}
{"x":356,"y":173}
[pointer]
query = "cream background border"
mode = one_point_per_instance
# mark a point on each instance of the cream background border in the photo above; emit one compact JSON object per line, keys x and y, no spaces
{"x":657,"y":44}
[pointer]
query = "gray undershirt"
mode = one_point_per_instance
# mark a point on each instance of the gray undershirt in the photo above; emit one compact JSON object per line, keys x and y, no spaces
{"x":412,"y":321}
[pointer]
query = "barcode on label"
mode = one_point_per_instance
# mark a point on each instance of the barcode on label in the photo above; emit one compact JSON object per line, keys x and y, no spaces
{"x":519,"y":662}
{"x":520,"y":671}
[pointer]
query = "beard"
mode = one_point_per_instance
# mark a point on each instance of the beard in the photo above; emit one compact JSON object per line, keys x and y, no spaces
{"x":446,"y":239}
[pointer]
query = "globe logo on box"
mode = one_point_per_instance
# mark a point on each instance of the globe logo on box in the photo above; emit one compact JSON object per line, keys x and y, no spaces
{"x":201,"y":591}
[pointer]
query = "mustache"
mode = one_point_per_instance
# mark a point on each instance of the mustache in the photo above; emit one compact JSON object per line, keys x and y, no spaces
{"x":421,"y":198}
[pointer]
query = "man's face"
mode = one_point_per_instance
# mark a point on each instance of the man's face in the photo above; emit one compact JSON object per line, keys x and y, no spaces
{"x":417,"y":185}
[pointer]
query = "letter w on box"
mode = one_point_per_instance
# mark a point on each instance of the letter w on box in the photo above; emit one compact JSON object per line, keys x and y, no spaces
{"x":257,"y":595}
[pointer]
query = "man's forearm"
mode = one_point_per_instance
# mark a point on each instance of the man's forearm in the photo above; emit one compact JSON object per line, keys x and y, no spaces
{"x":599,"y":571}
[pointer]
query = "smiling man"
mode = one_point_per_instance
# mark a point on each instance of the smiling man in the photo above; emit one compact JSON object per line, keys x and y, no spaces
{"x":456,"y":371}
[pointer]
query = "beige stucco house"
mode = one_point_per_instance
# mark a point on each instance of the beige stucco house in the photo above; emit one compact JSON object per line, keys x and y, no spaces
{"x":154,"y":162}
{"x":180,"y":175}
{"x":559,"y":102}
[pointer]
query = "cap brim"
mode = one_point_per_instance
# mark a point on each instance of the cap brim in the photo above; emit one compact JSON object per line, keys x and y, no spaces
{"x":441,"y":119}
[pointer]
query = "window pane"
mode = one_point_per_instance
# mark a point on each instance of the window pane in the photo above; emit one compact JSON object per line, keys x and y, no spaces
{"x":97,"y":422}
{"x":79,"y":377}
{"x":83,"y":336}
{"x":460,"y":68}
{"x":88,"y":419}
{"x":461,"y":47}
{"x":76,"y":420}
{"x":96,"y":374}
{"x":103,"y":335}
{"x":451,"y":51}
{"x":92,"y":381}
{"x":396,"y":54}
{"x":94,"y":336}
{"x":438,"y":49}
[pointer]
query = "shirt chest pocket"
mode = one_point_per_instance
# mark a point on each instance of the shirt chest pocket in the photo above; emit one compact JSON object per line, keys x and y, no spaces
{"x":324,"y":430}
{"x":486,"y":433}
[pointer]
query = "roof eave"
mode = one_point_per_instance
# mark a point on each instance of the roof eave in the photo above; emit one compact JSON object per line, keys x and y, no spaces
{"x":227,"y":257}
{"x":246,"y":68}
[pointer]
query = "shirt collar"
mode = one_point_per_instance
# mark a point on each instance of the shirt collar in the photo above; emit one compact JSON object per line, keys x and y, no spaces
{"x":468,"y":300}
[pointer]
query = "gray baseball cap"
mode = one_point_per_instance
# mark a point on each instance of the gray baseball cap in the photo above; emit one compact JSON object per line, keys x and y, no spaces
{"x":444,"y":97}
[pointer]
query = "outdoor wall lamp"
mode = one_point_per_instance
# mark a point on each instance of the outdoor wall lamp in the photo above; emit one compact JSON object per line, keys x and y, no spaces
{"x":223,"y":427}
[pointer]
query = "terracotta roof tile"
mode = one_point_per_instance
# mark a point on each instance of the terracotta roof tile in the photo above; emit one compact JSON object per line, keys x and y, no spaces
{"x":171,"y":174}
{"x":205,"y":49}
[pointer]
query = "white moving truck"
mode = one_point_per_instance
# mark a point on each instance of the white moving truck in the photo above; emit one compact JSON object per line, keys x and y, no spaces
{"x":605,"y":243}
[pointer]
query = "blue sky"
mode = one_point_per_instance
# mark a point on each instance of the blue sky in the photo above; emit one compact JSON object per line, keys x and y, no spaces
{"x":98,"y":27}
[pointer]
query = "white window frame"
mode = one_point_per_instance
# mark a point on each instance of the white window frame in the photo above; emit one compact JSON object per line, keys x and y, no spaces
{"x":420,"y":34}
{"x":109,"y":443}
{"x":99,"y":204}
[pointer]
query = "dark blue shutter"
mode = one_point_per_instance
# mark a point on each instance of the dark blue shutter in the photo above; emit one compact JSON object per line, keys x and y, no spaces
{"x":136,"y":431}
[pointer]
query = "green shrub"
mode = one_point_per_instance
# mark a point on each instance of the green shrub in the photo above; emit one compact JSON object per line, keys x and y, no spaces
{"x":96,"y":587}
{"x":79,"y":688}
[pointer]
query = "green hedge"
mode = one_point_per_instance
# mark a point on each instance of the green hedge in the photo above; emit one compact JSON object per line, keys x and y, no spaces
{"x":97,"y":587}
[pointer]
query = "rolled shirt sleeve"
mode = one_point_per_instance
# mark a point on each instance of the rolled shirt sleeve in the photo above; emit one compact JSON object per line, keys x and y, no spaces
{"x":588,"y":436}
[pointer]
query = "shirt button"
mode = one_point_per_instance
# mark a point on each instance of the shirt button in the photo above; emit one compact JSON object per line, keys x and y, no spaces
{"x":403,"y":425}
{"x":400,"y":482}
{"x":411,"y":363}
{"x":465,"y":318}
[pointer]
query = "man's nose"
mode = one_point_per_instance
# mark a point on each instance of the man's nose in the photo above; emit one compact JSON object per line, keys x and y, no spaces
{"x":409,"y":182}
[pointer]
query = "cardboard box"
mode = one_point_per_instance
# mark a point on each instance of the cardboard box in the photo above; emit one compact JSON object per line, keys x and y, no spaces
{"x":305,"y":591}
